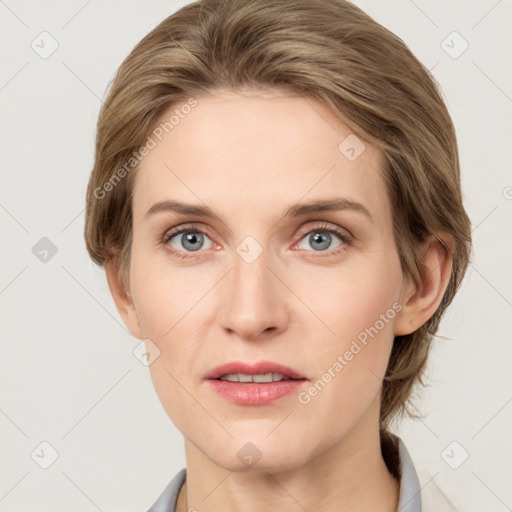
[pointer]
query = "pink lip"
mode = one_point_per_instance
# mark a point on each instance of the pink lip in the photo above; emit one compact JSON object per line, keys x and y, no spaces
{"x":254,"y":393}
{"x":261,"y":367}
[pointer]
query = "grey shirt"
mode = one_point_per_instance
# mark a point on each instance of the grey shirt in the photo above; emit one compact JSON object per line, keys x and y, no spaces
{"x":410,"y":499}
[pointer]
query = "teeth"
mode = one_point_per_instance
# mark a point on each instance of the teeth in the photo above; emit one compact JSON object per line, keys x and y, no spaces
{"x":244,"y":377}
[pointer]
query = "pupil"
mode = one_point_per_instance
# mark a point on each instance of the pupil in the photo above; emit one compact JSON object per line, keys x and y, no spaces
{"x":319,"y":238}
{"x":192,"y":241}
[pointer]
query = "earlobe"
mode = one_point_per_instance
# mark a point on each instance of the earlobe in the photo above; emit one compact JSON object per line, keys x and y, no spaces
{"x":123,"y":299}
{"x":421,"y":299}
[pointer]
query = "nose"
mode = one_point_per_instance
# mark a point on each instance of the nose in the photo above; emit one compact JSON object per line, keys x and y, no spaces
{"x":254,"y":299}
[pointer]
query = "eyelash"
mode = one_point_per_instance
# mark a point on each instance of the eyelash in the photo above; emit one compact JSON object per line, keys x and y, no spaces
{"x":322,"y":228}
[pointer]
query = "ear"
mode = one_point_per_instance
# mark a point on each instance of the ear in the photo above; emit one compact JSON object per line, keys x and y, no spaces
{"x":421,"y":299}
{"x":123,"y":299}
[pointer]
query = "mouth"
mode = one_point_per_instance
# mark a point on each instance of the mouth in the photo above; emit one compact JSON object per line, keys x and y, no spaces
{"x":256,"y":384}
{"x":259,"y":378}
{"x":261,"y":373}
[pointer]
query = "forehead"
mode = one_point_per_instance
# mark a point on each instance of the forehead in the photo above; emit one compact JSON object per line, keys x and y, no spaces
{"x":257,"y":151}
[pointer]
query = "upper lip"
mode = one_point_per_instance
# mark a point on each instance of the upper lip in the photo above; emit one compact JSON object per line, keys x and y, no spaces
{"x":259,"y":368}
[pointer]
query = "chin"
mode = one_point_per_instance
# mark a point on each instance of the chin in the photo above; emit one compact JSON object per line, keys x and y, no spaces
{"x":245,"y":456}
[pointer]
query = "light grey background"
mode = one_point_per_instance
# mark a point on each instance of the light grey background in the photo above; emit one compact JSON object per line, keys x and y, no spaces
{"x":68,"y":376}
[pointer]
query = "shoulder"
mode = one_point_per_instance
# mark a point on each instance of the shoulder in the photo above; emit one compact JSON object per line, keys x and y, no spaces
{"x":436,"y":493}
{"x":166,"y":502}
{"x":419,"y":489}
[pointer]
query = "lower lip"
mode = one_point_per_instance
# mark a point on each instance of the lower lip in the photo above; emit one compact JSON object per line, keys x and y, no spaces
{"x":255,"y":393}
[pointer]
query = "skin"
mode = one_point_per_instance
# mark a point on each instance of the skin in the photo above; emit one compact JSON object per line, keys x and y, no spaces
{"x":249,"y":155}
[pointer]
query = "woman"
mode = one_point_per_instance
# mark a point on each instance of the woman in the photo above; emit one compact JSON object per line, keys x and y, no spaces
{"x":235,"y":137}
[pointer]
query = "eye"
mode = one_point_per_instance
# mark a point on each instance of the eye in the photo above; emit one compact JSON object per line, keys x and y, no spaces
{"x":321,"y":239}
{"x":186,"y":240}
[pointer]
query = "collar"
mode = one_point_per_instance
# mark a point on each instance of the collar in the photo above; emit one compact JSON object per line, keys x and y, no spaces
{"x":410,"y":497}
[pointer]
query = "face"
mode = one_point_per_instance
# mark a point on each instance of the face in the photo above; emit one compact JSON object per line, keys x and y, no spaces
{"x":316,"y":290}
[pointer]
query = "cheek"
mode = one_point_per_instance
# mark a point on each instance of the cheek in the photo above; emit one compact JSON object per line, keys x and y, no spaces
{"x":160,"y":298}
{"x":164,"y":300}
{"x":344,"y":300}
{"x":357,"y":306}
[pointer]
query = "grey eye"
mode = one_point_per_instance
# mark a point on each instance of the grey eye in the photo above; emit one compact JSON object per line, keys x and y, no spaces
{"x":320,"y":240}
{"x":190,"y":241}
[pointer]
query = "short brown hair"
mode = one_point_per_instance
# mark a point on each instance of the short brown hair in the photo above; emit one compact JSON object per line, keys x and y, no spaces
{"x":329,"y":50}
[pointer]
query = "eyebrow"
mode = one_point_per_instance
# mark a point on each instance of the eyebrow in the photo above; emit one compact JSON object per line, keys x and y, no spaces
{"x":297,"y":210}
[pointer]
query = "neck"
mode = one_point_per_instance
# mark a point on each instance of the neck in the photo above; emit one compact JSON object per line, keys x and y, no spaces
{"x":349,"y":476}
